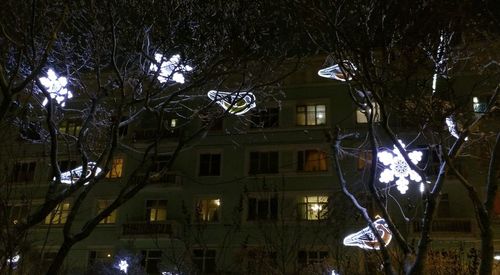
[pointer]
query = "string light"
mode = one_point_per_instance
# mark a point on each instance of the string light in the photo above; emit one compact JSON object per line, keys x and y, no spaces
{"x":237,"y":103}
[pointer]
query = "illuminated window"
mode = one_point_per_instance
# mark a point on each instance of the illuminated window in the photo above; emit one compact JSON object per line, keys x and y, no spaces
{"x":361,"y":115}
{"x":262,"y":208}
{"x":103,"y":204}
{"x":59,"y":214}
{"x":311,"y":160}
{"x":208,"y":210}
{"x":266,"y":119}
{"x":311,"y":257}
{"x":156,"y":210}
{"x":150,"y":261}
{"x":313,"y":207}
{"x":70,"y":127}
{"x":103,"y":256}
{"x":210,"y":164}
{"x":116,"y":169}
{"x":263,"y":162}
{"x":311,"y":115}
{"x":204,"y":260}
{"x":18,"y":213}
{"x":23,"y":172}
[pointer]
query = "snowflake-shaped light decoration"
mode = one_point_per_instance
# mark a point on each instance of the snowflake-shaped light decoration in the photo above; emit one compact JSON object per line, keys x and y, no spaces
{"x":342,"y":72}
{"x":56,"y":86}
{"x":171,"y":69}
{"x":397,"y":167}
{"x":123,"y":266}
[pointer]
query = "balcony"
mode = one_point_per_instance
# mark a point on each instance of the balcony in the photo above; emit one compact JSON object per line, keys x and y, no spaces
{"x":144,"y":135}
{"x":144,"y":228}
{"x":447,"y":226}
{"x":169,"y":180}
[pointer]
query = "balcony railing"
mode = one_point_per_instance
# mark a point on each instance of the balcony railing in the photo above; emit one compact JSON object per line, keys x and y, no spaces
{"x":150,"y":134}
{"x":145,"y":228}
{"x":462,"y":226}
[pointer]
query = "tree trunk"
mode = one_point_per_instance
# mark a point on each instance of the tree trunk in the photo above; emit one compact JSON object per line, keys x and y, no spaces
{"x":55,"y":266}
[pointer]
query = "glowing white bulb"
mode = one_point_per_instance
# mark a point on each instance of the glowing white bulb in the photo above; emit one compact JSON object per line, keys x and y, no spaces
{"x":496,"y":257}
{"x":170,"y":70}
{"x":475,"y":99}
{"x":56,"y":86}
{"x":14,"y":260}
{"x":452,"y":127}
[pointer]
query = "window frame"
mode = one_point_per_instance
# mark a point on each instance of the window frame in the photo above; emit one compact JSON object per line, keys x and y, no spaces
{"x":260,"y":161}
{"x":268,"y":118}
{"x":111,"y":218}
{"x":361,"y":117}
{"x":61,"y":214}
{"x":116,"y":170}
{"x":206,"y":217}
{"x":302,"y":161}
{"x":148,"y":259}
{"x":23,"y":171}
{"x":211,"y":170}
{"x":204,"y":258}
{"x":256,"y":204}
{"x":157,"y":208}
{"x":304,"y":114}
{"x":305,"y":204}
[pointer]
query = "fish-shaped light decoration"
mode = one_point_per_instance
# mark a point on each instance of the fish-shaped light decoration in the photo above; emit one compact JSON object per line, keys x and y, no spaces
{"x":237,"y":103}
{"x":365,"y":238}
{"x":341,"y":72}
{"x":73,"y":175}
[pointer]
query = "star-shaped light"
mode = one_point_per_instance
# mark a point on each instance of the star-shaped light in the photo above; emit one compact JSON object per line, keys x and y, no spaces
{"x":171,"y":69}
{"x":123,"y":266}
{"x":342,"y":72}
{"x":237,"y":103}
{"x":397,"y":167}
{"x":56,"y":86}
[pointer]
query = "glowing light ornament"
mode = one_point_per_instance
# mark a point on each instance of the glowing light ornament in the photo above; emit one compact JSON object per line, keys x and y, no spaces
{"x":237,"y":103}
{"x":341,"y":72}
{"x":334,"y":273}
{"x":452,"y":127}
{"x":123,"y":266}
{"x":56,"y":86}
{"x":398,"y":168}
{"x":365,"y":238}
{"x":13,"y":261}
{"x":72,"y":176}
{"x":171,"y":69}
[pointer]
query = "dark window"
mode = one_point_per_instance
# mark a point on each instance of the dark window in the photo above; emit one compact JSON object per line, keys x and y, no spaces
{"x":210,"y":164}
{"x":263,"y":162}
{"x":100,"y":256}
{"x":262,"y":208}
{"x":151,"y":260}
{"x":23,"y":172}
{"x":204,"y":260}
{"x":311,"y":257}
{"x":266,"y":119}
{"x":311,"y":160}
{"x":444,"y":210}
